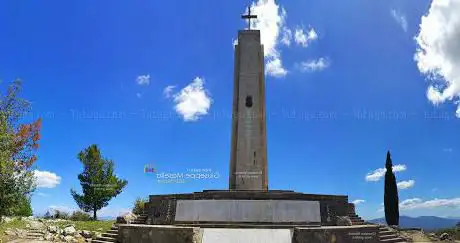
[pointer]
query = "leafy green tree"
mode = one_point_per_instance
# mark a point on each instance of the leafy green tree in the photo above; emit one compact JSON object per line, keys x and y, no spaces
{"x":23,"y":208}
{"x":18,"y":145}
{"x":391,"y":200}
{"x":139,"y":205}
{"x":99,"y":184}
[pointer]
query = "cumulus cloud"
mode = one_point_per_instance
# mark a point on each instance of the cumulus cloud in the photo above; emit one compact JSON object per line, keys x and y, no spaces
{"x":275,"y":68}
{"x":287,"y":36}
{"x":46,"y":179}
{"x":193,"y":101}
{"x":358,"y":201}
{"x":377,"y":174}
{"x":304,"y":39}
{"x":417,"y":203}
{"x":438,"y":51}
{"x":143,"y":79}
{"x":405,"y":184}
{"x":314,"y":65}
{"x":167,"y":91}
{"x":400,"y":18}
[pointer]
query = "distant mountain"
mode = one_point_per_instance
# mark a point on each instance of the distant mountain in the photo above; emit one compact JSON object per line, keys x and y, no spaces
{"x":424,"y":222}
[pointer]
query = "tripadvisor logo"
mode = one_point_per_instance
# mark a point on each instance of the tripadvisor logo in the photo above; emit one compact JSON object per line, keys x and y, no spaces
{"x":149,"y":169}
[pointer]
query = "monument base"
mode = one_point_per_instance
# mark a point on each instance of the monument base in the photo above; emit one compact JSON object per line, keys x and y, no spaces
{"x":229,"y":208}
{"x":179,"y":234}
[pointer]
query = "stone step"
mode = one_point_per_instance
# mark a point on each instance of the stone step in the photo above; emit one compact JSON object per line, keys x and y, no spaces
{"x":99,"y":241}
{"x":393,"y":240}
{"x":112,"y":231}
{"x":114,"y":228}
{"x":383,"y":237}
{"x":386,"y":232}
{"x":110,"y":235}
{"x":107,"y":239}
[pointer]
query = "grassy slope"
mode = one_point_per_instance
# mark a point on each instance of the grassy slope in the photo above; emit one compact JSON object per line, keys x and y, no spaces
{"x":101,"y":226}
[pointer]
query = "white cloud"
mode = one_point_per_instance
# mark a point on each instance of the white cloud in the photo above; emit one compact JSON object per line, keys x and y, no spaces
{"x":358,"y":201}
{"x":405,"y":184}
{"x":138,"y":95}
{"x":314,"y":65}
{"x":417,"y":203}
{"x":287,"y":36}
{"x":377,"y":174}
{"x":143,"y":79}
{"x":275,"y":68}
{"x":304,"y":39}
{"x":193,"y":101}
{"x":41,"y":194}
{"x":167,"y":92}
{"x":400,"y":18}
{"x":271,"y":19}
{"x":438,"y":51}
{"x":46,"y":179}
{"x":448,"y":150}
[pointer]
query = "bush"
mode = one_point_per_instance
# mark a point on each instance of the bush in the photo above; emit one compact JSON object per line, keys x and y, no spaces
{"x":23,"y":208}
{"x":60,"y":214}
{"x":80,"y":216}
{"x":139,"y":205}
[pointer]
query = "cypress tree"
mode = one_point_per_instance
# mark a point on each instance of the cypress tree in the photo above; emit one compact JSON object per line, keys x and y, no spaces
{"x":391,"y":194}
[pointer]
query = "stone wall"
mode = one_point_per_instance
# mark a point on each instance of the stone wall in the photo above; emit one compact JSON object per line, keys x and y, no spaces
{"x":158,"y":234}
{"x":337,"y":234}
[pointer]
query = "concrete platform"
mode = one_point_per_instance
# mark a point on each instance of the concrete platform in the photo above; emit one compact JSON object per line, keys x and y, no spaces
{"x":183,"y":234}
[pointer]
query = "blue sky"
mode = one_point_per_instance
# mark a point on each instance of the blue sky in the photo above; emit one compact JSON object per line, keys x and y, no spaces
{"x":150,"y":82}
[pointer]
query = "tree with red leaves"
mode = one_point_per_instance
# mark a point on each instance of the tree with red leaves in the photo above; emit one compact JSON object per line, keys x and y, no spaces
{"x":18,"y":147}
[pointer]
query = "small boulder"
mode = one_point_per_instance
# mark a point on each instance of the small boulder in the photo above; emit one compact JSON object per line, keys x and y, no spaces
{"x":444,"y":236}
{"x":10,"y":232}
{"x":49,"y":237}
{"x":69,"y":230}
{"x":126,"y":218}
{"x":68,"y":238}
{"x":343,"y":221}
{"x":53,"y":229}
{"x":86,"y":234}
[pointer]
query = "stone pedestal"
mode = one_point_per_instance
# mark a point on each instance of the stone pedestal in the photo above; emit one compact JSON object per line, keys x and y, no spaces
{"x":240,"y":208}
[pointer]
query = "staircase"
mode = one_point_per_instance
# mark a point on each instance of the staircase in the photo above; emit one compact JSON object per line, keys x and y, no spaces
{"x":112,"y":234}
{"x":389,"y":235}
{"x":355,"y":219}
{"x":35,"y":234}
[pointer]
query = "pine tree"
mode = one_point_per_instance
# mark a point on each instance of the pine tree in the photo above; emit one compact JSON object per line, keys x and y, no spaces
{"x":391,"y":194}
{"x":99,"y":184}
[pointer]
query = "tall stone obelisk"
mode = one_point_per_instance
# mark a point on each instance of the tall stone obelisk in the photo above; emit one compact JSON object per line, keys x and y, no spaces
{"x":248,"y":159}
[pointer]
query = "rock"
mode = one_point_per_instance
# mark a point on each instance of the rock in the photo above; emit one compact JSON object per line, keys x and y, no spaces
{"x":95,"y":234}
{"x":48,"y":236}
{"x":126,"y":218}
{"x":444,"y":236}
{"x":10,"y":232}
{"x":53,"y":229}
{"x":343,"y":221}
{"x":69,"y":230}
{"x":86,"y":234}
{"x":68,"y":238}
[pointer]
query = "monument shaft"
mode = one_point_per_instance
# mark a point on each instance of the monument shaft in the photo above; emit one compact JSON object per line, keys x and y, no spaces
{"x":248,"y":159}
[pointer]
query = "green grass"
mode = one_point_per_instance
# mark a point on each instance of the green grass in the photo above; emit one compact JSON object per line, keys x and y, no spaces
{"x":21,"y":224}
{"x":101,"y":226}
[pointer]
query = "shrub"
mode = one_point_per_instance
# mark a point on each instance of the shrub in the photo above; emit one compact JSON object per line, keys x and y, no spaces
{"x":23,"y":208}
{"x":60,"y":214}
{"x":80,"y":216}
{"x":139,"y":205}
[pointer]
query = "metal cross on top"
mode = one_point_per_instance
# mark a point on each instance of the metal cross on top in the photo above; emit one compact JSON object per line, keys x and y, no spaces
{"x":249,"y":17}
